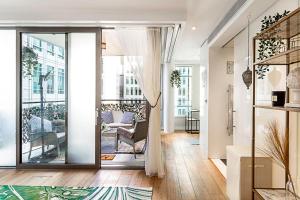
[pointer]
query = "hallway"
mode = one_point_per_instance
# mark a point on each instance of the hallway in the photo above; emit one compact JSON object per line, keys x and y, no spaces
{"x":188,"y":175}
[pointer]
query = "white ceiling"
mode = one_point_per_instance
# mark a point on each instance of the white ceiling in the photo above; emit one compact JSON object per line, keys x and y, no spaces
{"x":252,"y":8}
{"x":92,"y":10}
{"x":203,"y":14}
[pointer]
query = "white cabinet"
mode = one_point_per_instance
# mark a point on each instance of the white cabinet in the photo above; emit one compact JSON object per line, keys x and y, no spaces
{"x":239,"y":172}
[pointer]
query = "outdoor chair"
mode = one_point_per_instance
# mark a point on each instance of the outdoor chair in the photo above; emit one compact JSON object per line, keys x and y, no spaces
{"x":54,"y":134}
{"x":131,"y":136}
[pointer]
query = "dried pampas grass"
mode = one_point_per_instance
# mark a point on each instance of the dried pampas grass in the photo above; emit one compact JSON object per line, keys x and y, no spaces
{"x":277,"y":147}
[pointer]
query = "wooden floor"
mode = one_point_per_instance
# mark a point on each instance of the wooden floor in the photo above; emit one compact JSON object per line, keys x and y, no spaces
{"x":188,"y":175}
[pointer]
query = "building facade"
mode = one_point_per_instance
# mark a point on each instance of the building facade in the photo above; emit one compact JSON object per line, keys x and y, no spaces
{"x":51,"y":58}
{"x":118,"y":81}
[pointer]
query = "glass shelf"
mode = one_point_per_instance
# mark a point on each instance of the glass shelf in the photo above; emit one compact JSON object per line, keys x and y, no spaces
{"x":274,"y":194}
{"x":278,"y":108}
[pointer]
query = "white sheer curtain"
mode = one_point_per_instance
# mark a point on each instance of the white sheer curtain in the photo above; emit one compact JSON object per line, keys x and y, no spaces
{"x":143,"y":48}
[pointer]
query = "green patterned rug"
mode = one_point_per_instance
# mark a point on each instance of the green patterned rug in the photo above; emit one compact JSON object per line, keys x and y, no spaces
{"x":12,"y":192}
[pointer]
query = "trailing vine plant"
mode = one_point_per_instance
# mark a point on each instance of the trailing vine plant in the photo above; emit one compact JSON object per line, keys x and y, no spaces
{"x":269,"y":47}
{"x":175,"y":78}
{"x":29,"y":61}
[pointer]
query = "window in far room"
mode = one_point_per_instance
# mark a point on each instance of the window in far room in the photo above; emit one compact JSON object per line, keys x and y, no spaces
{"x":183,"y":94}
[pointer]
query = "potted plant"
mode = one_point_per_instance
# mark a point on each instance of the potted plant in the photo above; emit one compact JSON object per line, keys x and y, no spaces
{"x":276,"y":147}
{"x":29,"y":61}
{"x":175,"y":79}
{"x":269,"y":47}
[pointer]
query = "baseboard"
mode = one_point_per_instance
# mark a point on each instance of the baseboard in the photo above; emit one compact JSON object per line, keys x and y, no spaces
{"x":221,"y":167}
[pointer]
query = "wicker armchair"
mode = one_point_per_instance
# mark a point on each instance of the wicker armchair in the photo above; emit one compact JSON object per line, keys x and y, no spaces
{"x":55,"y":136}
{"x":131,"y":136}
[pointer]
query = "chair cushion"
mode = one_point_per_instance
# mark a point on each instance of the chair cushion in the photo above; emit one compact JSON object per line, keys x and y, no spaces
{"x":107,"y":117}
{"x":117,"y":114}
{"x":127,"y":118}
{"x":35,"y":125}
{"x":128,"y":133}
{"x":61,"y":135}
{"x":116,"y":125}
{"x":58,"y":125}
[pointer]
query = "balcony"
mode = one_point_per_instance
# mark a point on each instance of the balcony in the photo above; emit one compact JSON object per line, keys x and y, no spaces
{"x":124,"y":143}
{"x":43,"y":132}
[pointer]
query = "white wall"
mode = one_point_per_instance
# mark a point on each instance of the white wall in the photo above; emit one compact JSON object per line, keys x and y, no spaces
{"x":214,"y":82}
{"x":219,"y":80}
{"x":242,"y":97}
{"x":168,"y":99}
{"x":204,"y":99}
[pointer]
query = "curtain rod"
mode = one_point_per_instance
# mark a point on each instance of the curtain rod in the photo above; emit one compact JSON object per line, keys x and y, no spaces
{"x":128,"y":26}
{"x":138,"y":28}
{"x":100,"y":25}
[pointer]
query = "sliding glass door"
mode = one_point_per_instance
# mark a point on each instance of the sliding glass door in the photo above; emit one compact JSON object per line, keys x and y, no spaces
{"x":82,"y":95}
{"x":58,"y":73}
{"x":8,"y":98}
{"x":44,"y":98}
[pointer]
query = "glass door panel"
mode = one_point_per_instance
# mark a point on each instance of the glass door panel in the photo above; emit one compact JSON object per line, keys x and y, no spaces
{"x":82,"y":94}
{"x":43,"y":96}
{"x":8,"y":98}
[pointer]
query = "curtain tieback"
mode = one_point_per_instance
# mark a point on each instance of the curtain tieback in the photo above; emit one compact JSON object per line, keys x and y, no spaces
{"x":156,"y":101}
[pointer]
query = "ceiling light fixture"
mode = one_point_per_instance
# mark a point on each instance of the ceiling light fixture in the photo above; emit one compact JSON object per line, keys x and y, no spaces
{"x":194,"y":28}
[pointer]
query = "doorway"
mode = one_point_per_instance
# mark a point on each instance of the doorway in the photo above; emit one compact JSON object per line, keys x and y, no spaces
{"x":224,"y":81}
{"x":124,"y":110}
{"x":44,"y":101}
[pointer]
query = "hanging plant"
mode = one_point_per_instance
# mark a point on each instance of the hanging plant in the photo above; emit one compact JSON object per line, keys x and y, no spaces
{"x":29,"y":61}
{"x":269,"y":47}
{"x":175,"y":78}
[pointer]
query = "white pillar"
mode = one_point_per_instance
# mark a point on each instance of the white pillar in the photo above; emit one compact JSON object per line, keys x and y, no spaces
{"x":168,"y":98}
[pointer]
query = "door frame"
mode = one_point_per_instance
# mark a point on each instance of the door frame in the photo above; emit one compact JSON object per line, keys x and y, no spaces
{"x":65,"y":30}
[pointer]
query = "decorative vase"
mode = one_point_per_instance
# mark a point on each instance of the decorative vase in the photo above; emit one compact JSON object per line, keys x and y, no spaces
{"x":296,"y":96}
{"x":293,"y":82}
{"x":274,"y":77}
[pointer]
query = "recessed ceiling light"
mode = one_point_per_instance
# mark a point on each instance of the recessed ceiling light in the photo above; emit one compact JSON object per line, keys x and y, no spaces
{"x":194,"y":28}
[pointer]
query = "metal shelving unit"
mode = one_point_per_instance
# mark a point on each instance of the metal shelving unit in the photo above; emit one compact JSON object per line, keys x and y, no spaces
{"x":192,"y":122}
{"x":286,"y":28}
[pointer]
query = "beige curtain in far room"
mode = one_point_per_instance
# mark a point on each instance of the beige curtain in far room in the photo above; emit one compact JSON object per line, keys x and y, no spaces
{"x":142,"y":46}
